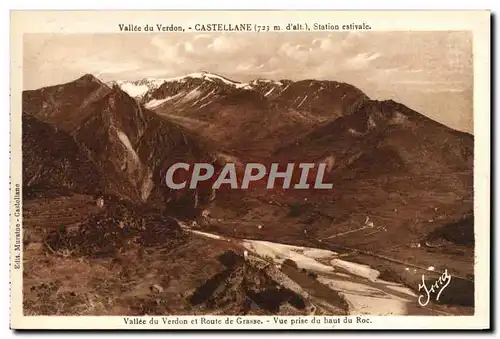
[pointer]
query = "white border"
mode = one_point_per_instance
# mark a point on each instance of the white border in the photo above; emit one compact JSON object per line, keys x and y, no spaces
{"x":126,"y":4}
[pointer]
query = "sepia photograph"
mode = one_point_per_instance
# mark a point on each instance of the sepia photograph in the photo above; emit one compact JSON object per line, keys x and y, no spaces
{"x":314,"y":173}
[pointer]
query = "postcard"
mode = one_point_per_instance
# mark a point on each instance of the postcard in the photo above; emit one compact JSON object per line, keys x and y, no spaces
{"x":250,"y":170}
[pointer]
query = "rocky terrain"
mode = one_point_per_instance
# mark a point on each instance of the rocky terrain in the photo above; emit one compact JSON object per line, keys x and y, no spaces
{"x":103,"y":234}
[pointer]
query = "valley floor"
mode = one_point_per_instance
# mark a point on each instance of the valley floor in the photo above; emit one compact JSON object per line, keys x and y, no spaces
{"x":199,"y":272}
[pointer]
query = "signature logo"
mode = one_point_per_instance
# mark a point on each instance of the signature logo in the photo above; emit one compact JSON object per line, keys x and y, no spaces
{"x":436,"y":288}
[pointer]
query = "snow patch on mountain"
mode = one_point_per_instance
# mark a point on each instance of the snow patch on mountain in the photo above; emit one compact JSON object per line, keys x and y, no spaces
{"x":266,"y":81}
{"x":155,"y":102}
{"x":203,"y":98}
{"x":133,"y":90}
{"x":269,"y":92}
{"x":213,"y":77}
{"x":194,"y":94}
{"x":137,"y":89}
{"x":302,"y":101}
{"x":158,"y":102}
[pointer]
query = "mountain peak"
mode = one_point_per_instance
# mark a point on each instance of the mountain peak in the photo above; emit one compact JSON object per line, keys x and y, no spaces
{"x":88,"y":78}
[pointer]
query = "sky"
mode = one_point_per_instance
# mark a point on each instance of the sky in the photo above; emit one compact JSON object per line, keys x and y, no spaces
{"x":430,"y":72}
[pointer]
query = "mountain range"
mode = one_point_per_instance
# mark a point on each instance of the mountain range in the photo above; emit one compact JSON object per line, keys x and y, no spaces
{"x":266,"y":112}
{"x":412,"y":177}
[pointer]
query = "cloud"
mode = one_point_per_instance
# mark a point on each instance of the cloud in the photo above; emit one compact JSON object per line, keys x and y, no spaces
{"x":225,"y":44}
{"x":188,"y":47}
{"x":296,"y":52}
{"x":166,"y":50}
{"x":362,"y":60}
{"x":249,"y":66}
{"x":328,"y":45}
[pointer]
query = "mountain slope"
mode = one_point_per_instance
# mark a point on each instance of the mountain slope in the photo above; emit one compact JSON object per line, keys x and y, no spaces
{"x":66,"y":105}
{"x":131,"y":146}
{"x":53,"y":160}
{"x":381,"y":134}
